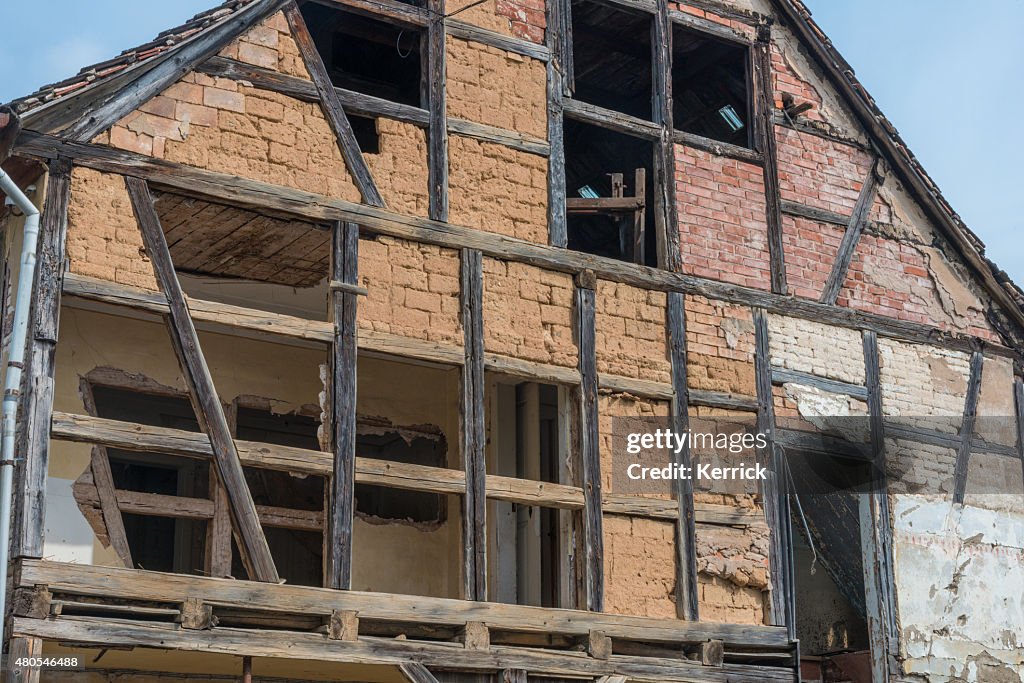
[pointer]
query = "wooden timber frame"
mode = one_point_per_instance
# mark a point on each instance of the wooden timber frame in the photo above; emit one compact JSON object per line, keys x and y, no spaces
{"x":348,"y":220}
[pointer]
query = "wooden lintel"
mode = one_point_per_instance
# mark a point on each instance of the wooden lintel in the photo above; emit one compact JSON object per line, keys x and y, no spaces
{"x":722,"y":149}
{"x":610,"y":119}
{"x":833,"y":386}
{"x":604,"y":204}
{"x":712,"y":653}
{"x":202,"y":392}
{"x":814,"y":213}
{"x":333,"y":110}
{"x":854,"y":229}
{"x":1018,"y":394}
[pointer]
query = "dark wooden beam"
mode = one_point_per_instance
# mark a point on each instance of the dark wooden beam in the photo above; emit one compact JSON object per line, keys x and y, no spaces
{"x":180,"y":61}
{"x":437,"y":135}
{"x":706,"y":26}
{"x":474,"y":437}
{"x":764,"y":132}
{"x":876,"y":531}
{"x":687,"y":597}
{"x":202,"y":392}
{"x":814,"y":213}
{"x":345,"y":269}
{"x":559,"y":79}
{"x":723,"y":149}
{"x":467,"y":31}
{"x":1018,"y":395}
{"x":854,"y":229}
{"x":415,"y":672}
{"x":291,"y":203}
{"x":590,"y":446}
{"x":963,"y":455}
{"x":332,"y":107}
{"x":38,"y":378}
{"x":391,"y":11}
{"x":832,"y":386}
{"x":666,"y":217}
{"x":773,"y":488}
{"x":610,"y":119}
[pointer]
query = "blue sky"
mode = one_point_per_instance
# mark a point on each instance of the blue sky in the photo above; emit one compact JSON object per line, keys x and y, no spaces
{"x":948,"y":78}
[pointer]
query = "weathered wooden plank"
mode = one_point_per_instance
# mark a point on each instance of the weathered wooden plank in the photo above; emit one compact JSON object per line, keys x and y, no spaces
{"x":963,"y":455}
{"x":393,"y":10}
{"x":833,"y":386}
{"x":719,"y":399}
{"x":814,"y":213}
{"x":1018,"y":394}
{"x":687,"y":597}
{"x":723,"y":149}
{"x":277,"y":200}
{"x":590,"y":452}
{"x":854,"y":229}
{"x":466,"y":31}
{"x":202,"y":392}
{"x":23,"y":648}
{"x":500,"y":136}
{"x":37,"y":380}
{"x":610,"y":119}
{"x":764,"y":131}
{"x":666,"y":216}
{"x":559,"y":78}
{"x":344,"y":269}
{"x":771,"y":487}
{"x":169,"y":69}
{"x":437,"y":136}
{"x":369,"y":650}
{"x":332,"y":107}
{"x":474,"y":436}
{"x":707,"y":26}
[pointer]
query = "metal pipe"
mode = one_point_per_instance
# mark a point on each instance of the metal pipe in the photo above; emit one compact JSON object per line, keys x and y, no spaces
{"x":15,"y":364}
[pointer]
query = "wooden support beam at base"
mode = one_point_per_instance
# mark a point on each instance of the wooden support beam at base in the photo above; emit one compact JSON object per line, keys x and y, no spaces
{"x":343,"y":625}
{"x":476,"y":636}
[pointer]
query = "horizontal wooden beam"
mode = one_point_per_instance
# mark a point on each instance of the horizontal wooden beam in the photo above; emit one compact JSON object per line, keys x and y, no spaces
{"x":498,"y":136}
{"x":393,"y":10}
{"x":832,"y":386}
{"x":278,"y":200}
{"x":933,"y":437}
{"x":814,"y":213}
{"x":466,"y":31}
{"x":603,"y":204}
{"x":136,"y":437}
{"x":703,"y":25}
{"x":610,"y":119}
{"x":128,"y":584}
{"x":723,"y":149}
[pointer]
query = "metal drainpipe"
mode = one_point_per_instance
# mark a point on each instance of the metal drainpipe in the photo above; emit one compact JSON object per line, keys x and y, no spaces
{"x":15,"y":363}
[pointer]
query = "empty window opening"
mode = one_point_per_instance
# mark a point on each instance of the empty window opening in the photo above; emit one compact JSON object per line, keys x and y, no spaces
{"x":710,"y":87}
{"x":611,"y":51}
{"x":529,"y":544}
{"x":367,"y":55}
{"x":365,"y":130}
{"x":609,"y":187}
{"x":157,"y":543}
{"x":420,"y":445}
{"x":297,"y":552}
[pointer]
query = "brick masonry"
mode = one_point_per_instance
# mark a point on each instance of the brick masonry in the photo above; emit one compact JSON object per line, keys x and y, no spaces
{"x":413,"y":289}
{"x":630,"y":332}
{"x":720,"y":346}
{"x":722,"y":228}
{"x":528,"y":313}
{"x":823,"y":350}
{"x":269,"y":45}
{"x":496,"y":87}
{"x":497,"y":189}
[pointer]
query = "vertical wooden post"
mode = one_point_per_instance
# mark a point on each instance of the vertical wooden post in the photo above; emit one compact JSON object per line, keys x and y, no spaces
{"x":23,"y":648}
{"x":202,"y":392}
{"x":559,"y":79}
{"x":1018,"y":393}
{"x":876,"y":530}
{"x":593,"y":539}
{"x":344,"y":269}
{"x":474,"y":522}
{"x":859,"y":218}
{"x":37,"y":385}
{"x":686,"y":530}
{"x":437,"y":166}
{"x":666,"y":215}
{"x":773,"y":488}
{"x":963,"y":456}
{"x":764,"y":131}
